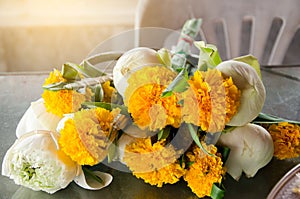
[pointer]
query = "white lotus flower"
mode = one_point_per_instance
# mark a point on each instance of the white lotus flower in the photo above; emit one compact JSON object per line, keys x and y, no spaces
{"x":251,"y":148}
{"x":253,"y":92}
{"x":37,"y":118}
{"x":34,"y":161}
{"x":128,"y":62}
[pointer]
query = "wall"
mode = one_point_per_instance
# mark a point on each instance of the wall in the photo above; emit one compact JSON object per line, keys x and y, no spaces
{"x":39,"y":35}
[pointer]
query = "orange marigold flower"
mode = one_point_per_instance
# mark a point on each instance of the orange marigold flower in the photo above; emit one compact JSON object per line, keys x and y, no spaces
{"x":286,"y":138}
{"x":211,"y":100}
{"x":63,"y":101}
{"x":71,"y":144}
{"x":204,"y":171}
{"x":54,"y":77}
{"x":87,"y":136}
{"x":143,"y":98}
{"x":155,"y":163}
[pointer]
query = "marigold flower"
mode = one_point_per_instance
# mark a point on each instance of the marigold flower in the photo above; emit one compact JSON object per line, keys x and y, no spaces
{"x":87,"y":136}
{"x":63,"y":101}
{"x":109,"y":92}
{"x":155,"y":163}
{"x":143,"y":98}
{"x":213,"y":98}
{"x":286,"y":138}
{"x":204,"y":171}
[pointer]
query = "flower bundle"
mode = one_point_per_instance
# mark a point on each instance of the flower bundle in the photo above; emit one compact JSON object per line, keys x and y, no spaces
{"x":167,"y":115}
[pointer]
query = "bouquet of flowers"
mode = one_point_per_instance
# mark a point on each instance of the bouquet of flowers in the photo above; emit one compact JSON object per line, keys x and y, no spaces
{"x":165,"y":114}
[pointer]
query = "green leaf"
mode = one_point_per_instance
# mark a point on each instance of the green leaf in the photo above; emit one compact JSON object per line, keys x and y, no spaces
{"x":70,"y":73}
{"x":86,"y":69}
{"x":92,"y":81}
{"x":179,"y":84}
{"x":252,"y":61}
{"x":111,"y":152}
{"x":89,"y":70}
{"x":228,"y":129}
{"x":224,"y":152}
{"x":107,"y":106}
{"x":164,"y":57}
{"x":55,"y":86}
{"x":164,"y":133}
{"x":196,"y":139}
{"x":264,"y":118}
{"x":217,"y":192}
{"x":208,"y":57}
{"x":166,"y":94}
{"x":90,"y":173}
{"x":98,"y":93}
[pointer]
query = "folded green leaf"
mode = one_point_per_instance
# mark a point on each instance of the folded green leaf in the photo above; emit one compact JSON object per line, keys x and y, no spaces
{"x":98,"y":93}
{"x":89,"y":70}
{"x":85,"y":69}
{"x":179,"y":84}
{"x":209,"y":56}
{"x":164,"y":57}
{"x":55,"y":86}
{"x":77,"y":84}
{"x":217,"y":192}
{"x":70,"y":73}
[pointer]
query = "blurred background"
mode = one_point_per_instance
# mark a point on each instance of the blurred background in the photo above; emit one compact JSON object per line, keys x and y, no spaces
{"x":40,"y":35}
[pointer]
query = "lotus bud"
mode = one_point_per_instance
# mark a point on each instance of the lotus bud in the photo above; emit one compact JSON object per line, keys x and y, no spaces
{"x":253,"y":92}
{"x":129,"y":62}
{"x":251,"y":148}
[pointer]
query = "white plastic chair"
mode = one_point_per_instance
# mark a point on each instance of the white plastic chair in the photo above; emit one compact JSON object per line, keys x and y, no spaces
{"x":263,"y":28}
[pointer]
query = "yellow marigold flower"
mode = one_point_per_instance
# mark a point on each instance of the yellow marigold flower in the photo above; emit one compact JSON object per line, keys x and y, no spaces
{"x":286,"y":138}
{"x":211,"y":100}
{"x":155,"y":163}
{"x":54,"y":77}
{"x":63,"y":101}
{"x":109,"y":92}
{"x":72,"y":145}
{"x":143,"y":98}
{"x":204,"y":171}
{"x":87,"y":136}
{"x":148,"y":75}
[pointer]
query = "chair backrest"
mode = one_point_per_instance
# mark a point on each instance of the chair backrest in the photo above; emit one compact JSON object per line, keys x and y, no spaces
{"x":264,"y":28}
